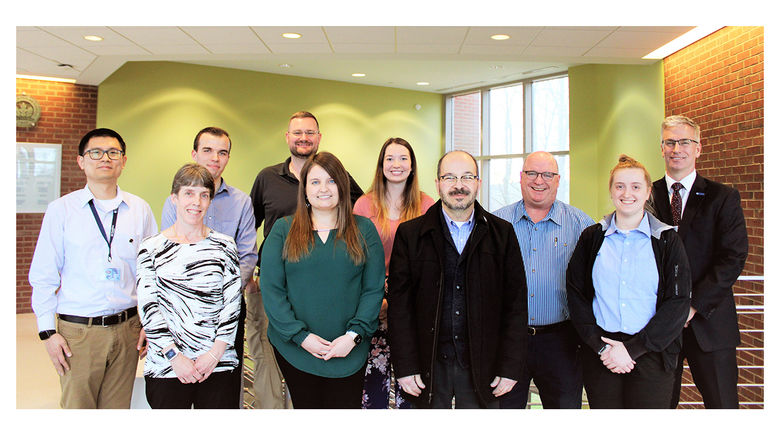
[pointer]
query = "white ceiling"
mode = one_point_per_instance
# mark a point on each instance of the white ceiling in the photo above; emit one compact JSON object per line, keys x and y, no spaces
{"x":450,"y":58}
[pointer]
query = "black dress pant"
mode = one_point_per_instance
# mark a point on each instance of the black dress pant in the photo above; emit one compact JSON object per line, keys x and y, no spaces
{"x":309,"y":391}
{"x":170,"y":393}
{"x":647,"y":386}
{"x":714,"y":373}
{"x":553,"y":362}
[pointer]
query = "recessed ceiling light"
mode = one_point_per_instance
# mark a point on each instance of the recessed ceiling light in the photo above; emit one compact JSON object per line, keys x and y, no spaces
{"x":291,"y":35}
{"x":285,"y":66}
{"x":423,"y":83}
{"x":93,"y":38}
{"x":47,"y":78}
{"x":682,"y":41}
{"x":358,"y":75}
{"x":500,"y":37}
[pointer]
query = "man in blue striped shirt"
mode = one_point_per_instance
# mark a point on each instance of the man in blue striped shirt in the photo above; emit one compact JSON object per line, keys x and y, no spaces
{"x":547,"y":231}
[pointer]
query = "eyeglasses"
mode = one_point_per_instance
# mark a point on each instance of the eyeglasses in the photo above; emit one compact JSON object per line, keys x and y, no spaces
{"x":546,"y":176}
{"x":465,"y":179}
{"x":299,"y":133}
{"x":669,"y":143}
{"x":97,"y":154}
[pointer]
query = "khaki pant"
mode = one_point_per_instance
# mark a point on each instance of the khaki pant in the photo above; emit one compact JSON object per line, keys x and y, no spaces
{"x":268,"y":384}
{"x":103,"y":364}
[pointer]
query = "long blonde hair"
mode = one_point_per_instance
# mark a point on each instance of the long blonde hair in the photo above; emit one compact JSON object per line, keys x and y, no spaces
{"x":300,"y":240}
{"x":411,"y":205}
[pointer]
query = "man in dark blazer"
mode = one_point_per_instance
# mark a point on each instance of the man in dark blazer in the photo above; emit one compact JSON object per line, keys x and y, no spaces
{"x":712,"y":226}
{"x":457,"y":304}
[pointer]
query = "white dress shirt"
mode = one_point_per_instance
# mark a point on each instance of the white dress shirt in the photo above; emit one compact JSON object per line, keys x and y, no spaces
{"x":68,"y":269}
{"x":687,"y":183}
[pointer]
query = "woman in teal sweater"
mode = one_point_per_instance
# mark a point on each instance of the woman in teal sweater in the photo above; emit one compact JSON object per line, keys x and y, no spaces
{"x":322,"y":277}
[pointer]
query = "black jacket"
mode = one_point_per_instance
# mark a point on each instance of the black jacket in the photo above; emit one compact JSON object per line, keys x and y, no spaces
{"x":496,"y":300}
{"x":713,"y":231}
{"x":663,"y":333}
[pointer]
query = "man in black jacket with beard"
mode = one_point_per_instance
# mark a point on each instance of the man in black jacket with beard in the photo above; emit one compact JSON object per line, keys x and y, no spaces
{"x":457,"y":298}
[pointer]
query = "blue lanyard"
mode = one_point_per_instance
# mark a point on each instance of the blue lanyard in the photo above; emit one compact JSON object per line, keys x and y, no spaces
{"x":100,"y":226}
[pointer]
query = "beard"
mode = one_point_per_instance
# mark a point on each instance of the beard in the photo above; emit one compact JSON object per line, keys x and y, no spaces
{"x":312,"y":149}
{"x":461,"y":205}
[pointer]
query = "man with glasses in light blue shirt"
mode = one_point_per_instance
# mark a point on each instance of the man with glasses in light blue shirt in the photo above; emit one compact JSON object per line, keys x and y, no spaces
{"x":83,"y":280}
{"x":547,"y":231}
{"x":231,"y":214}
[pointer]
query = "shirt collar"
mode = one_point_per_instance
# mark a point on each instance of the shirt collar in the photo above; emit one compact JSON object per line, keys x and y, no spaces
{"x":687,"y":181}
{"x":223,"y":187}
{"x":87,"y":195}
{"x":555,"y":214}
{"x":451,"y":221}
{"x":644,"y":226}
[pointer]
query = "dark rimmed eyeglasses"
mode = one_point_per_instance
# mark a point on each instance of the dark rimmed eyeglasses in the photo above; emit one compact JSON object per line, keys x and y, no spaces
{"x":97,"y":154}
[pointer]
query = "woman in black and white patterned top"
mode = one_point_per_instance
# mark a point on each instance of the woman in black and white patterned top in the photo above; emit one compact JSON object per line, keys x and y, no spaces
{"x":189,"y":291}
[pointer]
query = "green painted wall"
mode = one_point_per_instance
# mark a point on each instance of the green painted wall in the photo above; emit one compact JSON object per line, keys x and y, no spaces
{"x":158,"y":107}
{"x":614,"y":109}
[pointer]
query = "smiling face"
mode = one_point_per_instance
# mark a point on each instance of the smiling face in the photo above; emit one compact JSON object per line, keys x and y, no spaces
{"x":213,"y":153}
{"x":191,"y":203}
{"x":103,"y":170}
{"x":321,"y":190}
{"x":537,"y":192}
{"x":303,"y":145}
{"x":680,"y":160}
{"x":629,"y":191}
{"x":397,"y":163}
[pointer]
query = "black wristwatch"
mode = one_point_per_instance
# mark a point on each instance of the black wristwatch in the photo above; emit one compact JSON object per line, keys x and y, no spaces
{"x":44,"y":335}
{"x":355,"y":337}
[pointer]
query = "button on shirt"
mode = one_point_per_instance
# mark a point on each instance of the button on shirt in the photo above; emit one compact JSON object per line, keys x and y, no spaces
{"x":71,"y":255}
{"x":687,"y":183}
{"x":230,"y":213}
{"x":625,"y":278}
{"x":459,"y":231}
{"x":546,"y":247}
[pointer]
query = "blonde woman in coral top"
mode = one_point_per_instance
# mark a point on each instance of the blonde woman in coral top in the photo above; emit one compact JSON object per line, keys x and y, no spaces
{"x":394,"y":197}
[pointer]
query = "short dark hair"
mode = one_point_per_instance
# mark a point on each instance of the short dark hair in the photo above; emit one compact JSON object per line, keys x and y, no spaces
{"x":100,"y":132}
{"x":193,"y":174}
{"x":303,"y":115}
{"x":214,"y":131}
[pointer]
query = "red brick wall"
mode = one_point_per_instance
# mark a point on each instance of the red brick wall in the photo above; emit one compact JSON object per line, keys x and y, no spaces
{"x":466,"y":122}
{"x":719,"y":82}
{"x":68,"y":111}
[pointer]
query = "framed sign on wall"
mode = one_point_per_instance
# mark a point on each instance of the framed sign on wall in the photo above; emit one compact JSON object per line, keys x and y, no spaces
{"x":37,"y":176}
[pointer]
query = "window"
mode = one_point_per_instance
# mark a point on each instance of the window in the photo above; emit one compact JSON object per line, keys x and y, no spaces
{"x":501,"y":125}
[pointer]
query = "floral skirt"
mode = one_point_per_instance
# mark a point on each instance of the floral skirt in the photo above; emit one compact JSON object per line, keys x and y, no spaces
{"x":380,"y":388}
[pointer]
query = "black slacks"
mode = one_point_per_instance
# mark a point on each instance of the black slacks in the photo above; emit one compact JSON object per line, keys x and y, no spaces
{"x":170,"y":393}
{"x":554,"y":364}
{"x":647,"y":386}
{"x":309,"y":391}
{"x":714,"y":373}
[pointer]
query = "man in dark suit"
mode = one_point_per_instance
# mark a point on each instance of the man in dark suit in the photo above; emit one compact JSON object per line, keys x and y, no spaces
{"x":710,"y":222}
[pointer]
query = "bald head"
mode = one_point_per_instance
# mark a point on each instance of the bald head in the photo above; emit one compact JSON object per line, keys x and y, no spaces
{"x":538,"y":192}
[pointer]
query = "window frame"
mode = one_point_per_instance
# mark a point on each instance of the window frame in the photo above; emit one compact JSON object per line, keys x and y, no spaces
{"x":483,"y":159}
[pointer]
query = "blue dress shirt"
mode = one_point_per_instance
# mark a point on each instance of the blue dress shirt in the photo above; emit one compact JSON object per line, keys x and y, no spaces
{"x":547,"y":247}
{"x":625,"y":277}
{"x":459,"y":232}
{"x":231,"y":214}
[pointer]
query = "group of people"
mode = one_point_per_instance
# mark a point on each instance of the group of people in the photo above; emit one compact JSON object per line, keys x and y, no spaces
{"x":362,"y":297}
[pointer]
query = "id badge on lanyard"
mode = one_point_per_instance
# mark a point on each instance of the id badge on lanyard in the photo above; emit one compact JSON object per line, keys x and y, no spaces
{"x":112,"y":271}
